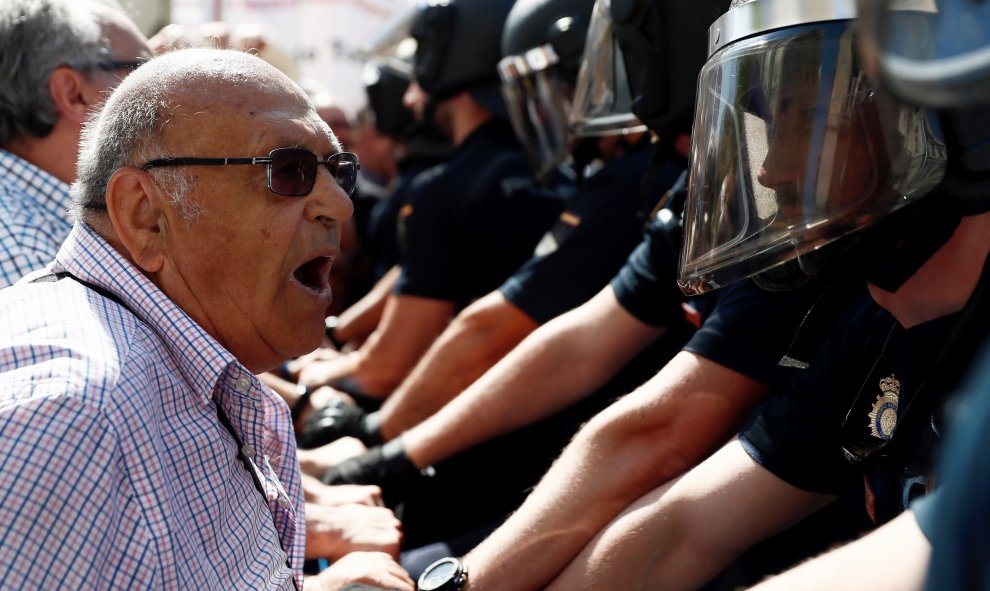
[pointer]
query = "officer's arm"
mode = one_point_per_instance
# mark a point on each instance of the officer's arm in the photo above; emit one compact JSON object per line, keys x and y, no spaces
{"x":409,"y":325}
{"x":681,"y":535}
{"x":652,"y":435}
{"x":558,"y":364}
{"x":362,"y":317}
{"x":894,"y":557}
{"x":480,"y":336}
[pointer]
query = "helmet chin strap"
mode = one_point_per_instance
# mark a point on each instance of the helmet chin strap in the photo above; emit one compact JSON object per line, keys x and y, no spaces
{"x":886,"y":255}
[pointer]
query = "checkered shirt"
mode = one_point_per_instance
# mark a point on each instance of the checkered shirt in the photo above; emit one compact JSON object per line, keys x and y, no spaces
{"x":115,"y":471}
{"x":34,"y":217}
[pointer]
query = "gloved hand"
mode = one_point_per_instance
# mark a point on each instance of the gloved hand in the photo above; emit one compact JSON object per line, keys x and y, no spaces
{"x":340,"y":419}
{"x":387,"y":466}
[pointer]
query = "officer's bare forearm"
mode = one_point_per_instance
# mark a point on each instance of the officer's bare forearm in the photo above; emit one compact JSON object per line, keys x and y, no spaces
{"x":360,"y":319}
{"x":478,"y":338}
{"x":560,"y":363}
{"x":637,"y":444}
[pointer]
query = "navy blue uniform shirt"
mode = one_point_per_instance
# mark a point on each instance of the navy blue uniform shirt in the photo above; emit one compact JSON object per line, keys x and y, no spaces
{"x":469,"y":223}
{"x":591,"y":239}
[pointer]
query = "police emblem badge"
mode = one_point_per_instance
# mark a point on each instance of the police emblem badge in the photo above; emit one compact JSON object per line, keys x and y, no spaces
{"x":883,"y":417}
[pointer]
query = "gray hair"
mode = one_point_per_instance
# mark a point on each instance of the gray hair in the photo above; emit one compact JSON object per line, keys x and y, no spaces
{"x":36,"y":37}
{"x":130,"y":129}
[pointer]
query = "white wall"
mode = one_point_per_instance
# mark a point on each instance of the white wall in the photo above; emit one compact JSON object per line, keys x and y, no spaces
{"x":321,"y":37}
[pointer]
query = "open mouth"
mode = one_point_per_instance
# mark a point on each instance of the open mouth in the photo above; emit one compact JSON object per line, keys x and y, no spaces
{"x":314,"y":274}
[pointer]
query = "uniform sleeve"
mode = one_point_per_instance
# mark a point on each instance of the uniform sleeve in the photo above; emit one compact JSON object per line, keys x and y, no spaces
{"x":797,"y":435}
{"x":764,"y":321}
{"x":646,"y":286}
{"x":581,"y":265}
{"x":61,"y":479}
{"x":954,"y":517}
{"x":431,"y":231}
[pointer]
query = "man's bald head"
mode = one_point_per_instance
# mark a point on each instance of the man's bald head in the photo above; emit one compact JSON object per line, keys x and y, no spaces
{"x":176,"y":94}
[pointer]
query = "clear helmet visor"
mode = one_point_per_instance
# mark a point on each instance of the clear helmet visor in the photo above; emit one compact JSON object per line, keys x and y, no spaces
{"x":602,"y":102}
{"x":793,"y":148}
{"x":933,"y":52}
{"x":538,"y":104}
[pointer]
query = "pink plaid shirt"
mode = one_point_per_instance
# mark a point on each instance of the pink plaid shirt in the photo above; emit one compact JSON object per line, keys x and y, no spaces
{"x":115,"y":471}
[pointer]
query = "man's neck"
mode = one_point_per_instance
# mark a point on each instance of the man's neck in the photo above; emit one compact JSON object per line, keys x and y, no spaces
{"x":466,"y":116}
{"x":54,"y":153}
{"x":944,"y":284}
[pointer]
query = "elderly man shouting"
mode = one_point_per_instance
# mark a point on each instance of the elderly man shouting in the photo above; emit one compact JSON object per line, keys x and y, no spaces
{"x":138,"y":449}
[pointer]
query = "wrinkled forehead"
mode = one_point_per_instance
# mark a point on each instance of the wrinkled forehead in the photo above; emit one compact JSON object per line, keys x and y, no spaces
{"x":239,"y":107}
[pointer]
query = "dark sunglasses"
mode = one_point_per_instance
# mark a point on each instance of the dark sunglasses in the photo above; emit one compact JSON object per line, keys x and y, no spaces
{"x":291,"y":171}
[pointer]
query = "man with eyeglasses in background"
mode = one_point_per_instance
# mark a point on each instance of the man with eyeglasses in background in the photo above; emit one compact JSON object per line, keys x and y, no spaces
{"x":57,"y":60}
{"x":140,"y":450}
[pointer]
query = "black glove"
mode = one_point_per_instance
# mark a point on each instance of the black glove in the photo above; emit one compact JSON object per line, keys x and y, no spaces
{"x":388,"y":466}
{"x":340,"y":419}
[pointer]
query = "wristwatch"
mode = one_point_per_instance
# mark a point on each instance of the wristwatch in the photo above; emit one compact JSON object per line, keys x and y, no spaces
{"x":446,"y":574}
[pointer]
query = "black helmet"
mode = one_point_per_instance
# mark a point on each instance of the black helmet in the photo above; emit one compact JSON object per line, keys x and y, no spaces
{"x":937,"y":54}
{"x":542,"y":44}
{"x":458,"y":48}
{"x":384,"y":85}
{"x":649,"y":53}
{"x":560,"y":24}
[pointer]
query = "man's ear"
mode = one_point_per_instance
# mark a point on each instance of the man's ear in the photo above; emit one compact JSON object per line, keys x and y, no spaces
{"x":73,"y":94}
{"x":137,"y":216}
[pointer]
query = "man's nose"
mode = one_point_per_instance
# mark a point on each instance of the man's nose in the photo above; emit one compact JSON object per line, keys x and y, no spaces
{"x":774,"y":173}
{"x":328,"y":201}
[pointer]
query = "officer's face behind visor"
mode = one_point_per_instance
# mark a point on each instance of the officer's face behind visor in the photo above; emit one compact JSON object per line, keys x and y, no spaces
{"x":602,"y":101}
{"x":537,"y":99}
{"x":793,"y":148}
{"x":937,"y":54}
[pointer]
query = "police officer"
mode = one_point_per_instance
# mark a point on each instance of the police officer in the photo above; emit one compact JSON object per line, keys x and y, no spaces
{"x":543,"y":44}
{"x":602,"y":222}
{"x":814,"y":150}
{"x":421,"y":148}
{"x":468,"y":223}
{"x":946,"y":528}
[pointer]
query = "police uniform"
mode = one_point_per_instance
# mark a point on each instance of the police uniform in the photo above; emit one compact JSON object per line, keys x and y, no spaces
{"x":483,"y":484}
{"x":469,"y":223}
{"x":954,"y":517}
{"x":747,"y":326}
{"x":590,"y":241}
{"x":382,"y":243}
{"x":845,"y":425}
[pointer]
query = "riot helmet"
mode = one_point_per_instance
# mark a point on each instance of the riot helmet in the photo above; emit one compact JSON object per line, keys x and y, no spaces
{"x":384,"y":85}
{"x":794,"y":146}
{"x":937,"y":54}
{"x":542,"y":45}
{"x":458,"y":46}
{"x":642,"y":60}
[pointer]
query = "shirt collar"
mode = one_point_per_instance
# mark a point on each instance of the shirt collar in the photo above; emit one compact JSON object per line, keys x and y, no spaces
{"x":200,"y":358}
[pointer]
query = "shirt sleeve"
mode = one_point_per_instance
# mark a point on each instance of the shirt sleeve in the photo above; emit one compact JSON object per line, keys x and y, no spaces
{"x":797,"y":435}
{"x":63,"y":498}
{"x":551,"y":284}
{"x":751,"y":328}
{"x":18,"y":259}
{"x":430,"y":228}
{"x":646,"y":286}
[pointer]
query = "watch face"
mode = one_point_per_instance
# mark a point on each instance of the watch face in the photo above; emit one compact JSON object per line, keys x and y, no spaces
{"x":438,"y":575}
